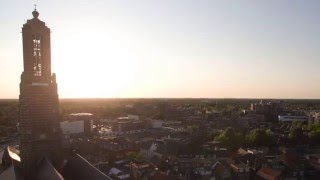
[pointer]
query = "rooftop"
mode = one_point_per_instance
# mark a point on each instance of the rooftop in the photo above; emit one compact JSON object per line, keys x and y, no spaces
{"x":80,"y":114}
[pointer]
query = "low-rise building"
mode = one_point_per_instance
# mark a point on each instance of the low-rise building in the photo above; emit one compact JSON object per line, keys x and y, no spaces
{"x":77,"y":123}
{"x":289,"y":118}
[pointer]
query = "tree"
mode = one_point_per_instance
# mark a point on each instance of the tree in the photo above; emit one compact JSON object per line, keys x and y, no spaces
{"x":211,"y":135}
{"x":314,"y":137}
{"x":296,"y":124}
{"x":193,"y":129}
{"x":231,"y":139}
{"x":134,"y":156}
{"x":315,"y":127}
{"x":314,"y":134}
{"x":297,"y":137}
{"x":259,"y":137}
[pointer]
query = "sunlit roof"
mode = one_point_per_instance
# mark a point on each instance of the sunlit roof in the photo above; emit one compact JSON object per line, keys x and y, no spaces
{"x":80,"y":114}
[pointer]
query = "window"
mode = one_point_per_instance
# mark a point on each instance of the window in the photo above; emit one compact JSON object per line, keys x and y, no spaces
{"x":37,"y":68}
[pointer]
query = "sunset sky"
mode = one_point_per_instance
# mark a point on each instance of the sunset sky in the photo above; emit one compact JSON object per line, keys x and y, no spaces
{"x":171,"y":48}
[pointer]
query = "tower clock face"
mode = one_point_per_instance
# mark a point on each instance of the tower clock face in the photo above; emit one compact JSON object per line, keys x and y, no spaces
{"x":37,"y":55}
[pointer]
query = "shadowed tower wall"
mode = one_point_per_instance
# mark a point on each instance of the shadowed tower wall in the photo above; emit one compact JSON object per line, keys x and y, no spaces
{"x":38,"y":101}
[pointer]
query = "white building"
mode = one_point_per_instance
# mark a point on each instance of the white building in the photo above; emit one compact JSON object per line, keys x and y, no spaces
{"x":133,"y":117}
{"x":293,"y":118}
{"x":72,"y":127}
{"x":77,"y":123}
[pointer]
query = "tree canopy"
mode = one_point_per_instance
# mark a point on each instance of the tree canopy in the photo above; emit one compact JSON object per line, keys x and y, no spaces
{"x":230,"y":138}
{"x":314,"y":134}
{"x":260,"y":137}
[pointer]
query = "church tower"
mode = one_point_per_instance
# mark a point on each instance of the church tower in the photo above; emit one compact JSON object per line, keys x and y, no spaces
{"x":38,"y":101}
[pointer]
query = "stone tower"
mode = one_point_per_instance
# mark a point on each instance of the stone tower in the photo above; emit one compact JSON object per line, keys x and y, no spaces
{"x":38,"y":101}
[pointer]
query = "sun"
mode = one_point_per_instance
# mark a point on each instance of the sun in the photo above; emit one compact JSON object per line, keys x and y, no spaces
{"x":93,"y":67}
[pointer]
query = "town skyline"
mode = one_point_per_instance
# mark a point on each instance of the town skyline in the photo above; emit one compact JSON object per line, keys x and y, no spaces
{"x":163,"y":49}
{"x":172,"y":49}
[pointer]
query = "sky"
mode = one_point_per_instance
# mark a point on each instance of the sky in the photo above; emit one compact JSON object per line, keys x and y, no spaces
{"x":170,"y":48}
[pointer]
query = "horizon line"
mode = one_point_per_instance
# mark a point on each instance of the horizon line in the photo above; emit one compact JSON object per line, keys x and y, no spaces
{"x":195,"y":98}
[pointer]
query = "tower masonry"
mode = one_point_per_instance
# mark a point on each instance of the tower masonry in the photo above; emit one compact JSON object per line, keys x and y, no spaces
{"x":38,"y":101}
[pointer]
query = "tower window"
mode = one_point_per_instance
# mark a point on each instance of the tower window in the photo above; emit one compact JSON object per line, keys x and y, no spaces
{"x":37,"y":61}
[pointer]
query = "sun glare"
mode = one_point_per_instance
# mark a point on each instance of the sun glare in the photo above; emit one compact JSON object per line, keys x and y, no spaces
{"x":94,"y":67}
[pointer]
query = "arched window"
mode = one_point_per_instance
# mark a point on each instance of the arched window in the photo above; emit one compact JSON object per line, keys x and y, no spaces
{"x":37,"y":69}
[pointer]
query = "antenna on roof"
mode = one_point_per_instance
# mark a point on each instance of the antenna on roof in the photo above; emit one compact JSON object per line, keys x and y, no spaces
{"x":35,"y":7}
